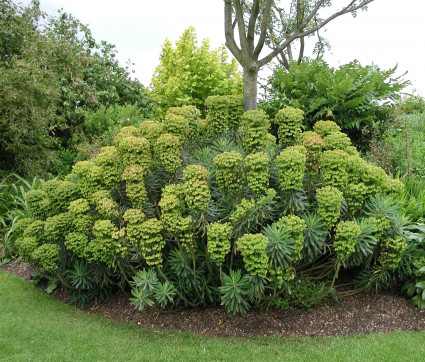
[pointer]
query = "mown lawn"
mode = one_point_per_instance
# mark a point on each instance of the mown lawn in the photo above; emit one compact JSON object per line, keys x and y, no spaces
{"x":35,"y":326}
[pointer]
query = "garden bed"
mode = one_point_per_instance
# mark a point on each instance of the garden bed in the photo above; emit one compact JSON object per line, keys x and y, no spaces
{"x":362,"y":313}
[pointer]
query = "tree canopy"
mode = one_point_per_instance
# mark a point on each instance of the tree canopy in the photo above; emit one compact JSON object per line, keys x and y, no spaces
{"x":188,"y":73}
{"x":51,"y":71}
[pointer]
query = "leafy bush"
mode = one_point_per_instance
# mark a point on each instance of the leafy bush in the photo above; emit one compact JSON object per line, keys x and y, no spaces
{"x":353,"y":96}
{"x":51,"y":72}
{"x":234,"y":229}
{"x":401,"y":147}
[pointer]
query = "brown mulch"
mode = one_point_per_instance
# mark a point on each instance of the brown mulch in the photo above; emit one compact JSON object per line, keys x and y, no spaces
{"x":359,"y":314}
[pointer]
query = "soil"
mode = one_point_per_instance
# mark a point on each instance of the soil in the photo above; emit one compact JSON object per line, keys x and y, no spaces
{"x":362,"y":313}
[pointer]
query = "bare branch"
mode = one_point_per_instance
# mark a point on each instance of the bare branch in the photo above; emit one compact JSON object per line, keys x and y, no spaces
{"x":229,"y":30}
{"x":241,"y":25}
{"x":251,"y":25}
{"x":301,"y":54}
{"x":264,"y":23}
{"x":299,"y":34}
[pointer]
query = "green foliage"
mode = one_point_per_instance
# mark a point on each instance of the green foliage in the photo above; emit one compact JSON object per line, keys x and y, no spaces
{"x":189,"y":73}
{"x":151,"y":241}
{"x":291,"y":166}
{"x":53,"y":72}
{"x":281,"y":245}
{"x":167,"y":150}
{"x":346,"y":234}
{"x":176,"y":125}
{"x":257,"y":172}
{"x":295,"y":225}
{"x":329,"y":204}
{"x":399,"y":144}
{"x":333,"y":170}
{"x":197,"y":193}
{"x":235,"y":292}
{"x":106,"y":244}
{"x":223,"y":113}
{"x":289,"y":121}
{"x":46,"y":256}
{"x":229,"y":174}
{"x":135,"y":185}
{"x":251,"y":214}
{"x":196,"y":211}
{"x":219,"y":241}
{"x":353,"y":95}
{"x":14,"y":211}
{"x":314,"y":236}
{"x":135,"y":151}
{"x":392,"y":250}
{"x":326,"y":128}
{"x":254,"y":127}
{"x":253,"y":250}
{"x":415,"y":287}
{"x":192,"y":114}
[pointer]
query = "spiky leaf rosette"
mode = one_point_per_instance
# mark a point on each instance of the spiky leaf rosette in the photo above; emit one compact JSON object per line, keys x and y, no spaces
{"x":314,"y":236}
{"x":295,"y":225}
{"x":257,"y":172}
{"x":289,"y":120}
{"x":135,"y":185}
{"x":346,"y":234}
{"x":235,"y":292}
{"x":291,"y":166}
{"x":167,"y":150}
{"x":253,"y":250}
{"x":254,"y":127}
{"x":197,"y":192}
{"x":229,"y":174}
{"x":281,"y":245}
{"x":219,"y":241}
{"x":329,"y":204}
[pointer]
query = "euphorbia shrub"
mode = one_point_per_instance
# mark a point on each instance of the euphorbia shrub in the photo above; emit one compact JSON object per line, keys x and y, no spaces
{"x":187,"y":217}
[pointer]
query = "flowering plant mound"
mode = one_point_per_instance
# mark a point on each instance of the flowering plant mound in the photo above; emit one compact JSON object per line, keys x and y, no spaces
{"x":195,"y":212}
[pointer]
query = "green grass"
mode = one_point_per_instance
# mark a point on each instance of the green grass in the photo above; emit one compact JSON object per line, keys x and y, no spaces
{"x":35,"y":326}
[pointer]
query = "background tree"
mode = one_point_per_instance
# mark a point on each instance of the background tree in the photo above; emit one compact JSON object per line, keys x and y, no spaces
{"x":188,"y":73}
{"x":51,"y":72}
{"x":301,"y":19}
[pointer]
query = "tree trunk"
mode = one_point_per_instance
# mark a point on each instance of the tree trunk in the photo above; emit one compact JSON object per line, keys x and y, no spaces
{"x":250,"y":89}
